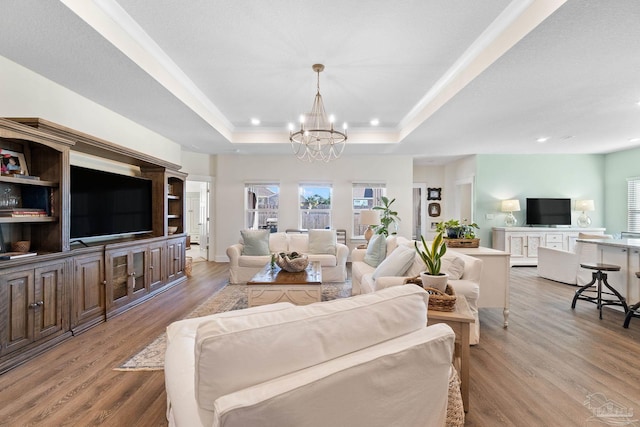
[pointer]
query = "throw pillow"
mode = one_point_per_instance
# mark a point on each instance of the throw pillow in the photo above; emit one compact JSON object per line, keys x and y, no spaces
{"x":256,"y":242}
{"x":396,"y":264}
{"x":376,"y":251}
{"x":322,"y":242}
{"x":454,"y":267}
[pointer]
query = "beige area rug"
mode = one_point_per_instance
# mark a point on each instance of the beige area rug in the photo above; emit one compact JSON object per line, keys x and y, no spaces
{"x":231,"y":297}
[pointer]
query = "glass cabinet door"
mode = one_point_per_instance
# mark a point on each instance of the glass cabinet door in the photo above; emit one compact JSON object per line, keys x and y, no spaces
{"x":139,"y":271}
{"x":120,"y":278}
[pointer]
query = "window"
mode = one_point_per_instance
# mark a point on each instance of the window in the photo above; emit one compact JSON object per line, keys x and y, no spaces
{"x":633,"y":204}
{"x":261,"y":206}
{"x":315,"y":206}
{"x":365,"y":196}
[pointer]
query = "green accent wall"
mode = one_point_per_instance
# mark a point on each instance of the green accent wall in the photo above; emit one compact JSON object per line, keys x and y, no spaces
{"x":501,"y":177}
{"x":619,"y":167}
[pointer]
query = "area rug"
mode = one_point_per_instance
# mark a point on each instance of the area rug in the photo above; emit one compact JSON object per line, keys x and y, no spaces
{"x":231,"y":297}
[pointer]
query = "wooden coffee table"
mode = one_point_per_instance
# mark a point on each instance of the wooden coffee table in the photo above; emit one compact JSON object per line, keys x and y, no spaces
{"x":460,"y":321}
{"x":269,"y":286}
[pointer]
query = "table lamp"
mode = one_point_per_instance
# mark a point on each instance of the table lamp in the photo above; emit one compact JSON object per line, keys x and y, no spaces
{"x":369,"y":218}
{"x":510,"y":206}
{"x":584,"y":206}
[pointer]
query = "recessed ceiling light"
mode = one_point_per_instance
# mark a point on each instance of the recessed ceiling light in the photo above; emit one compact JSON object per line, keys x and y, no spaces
{"x":255,"y":121}
{"x":543,"y":139}
{"x":374,"y":122}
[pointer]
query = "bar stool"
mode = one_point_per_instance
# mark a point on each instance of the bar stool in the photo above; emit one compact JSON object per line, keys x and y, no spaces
{"x":634,"y":310}
{"x":598,"y":299}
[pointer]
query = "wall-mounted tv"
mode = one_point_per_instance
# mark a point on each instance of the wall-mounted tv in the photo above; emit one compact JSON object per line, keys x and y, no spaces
{"x":541,"y":211}
{"x":108,"y":204}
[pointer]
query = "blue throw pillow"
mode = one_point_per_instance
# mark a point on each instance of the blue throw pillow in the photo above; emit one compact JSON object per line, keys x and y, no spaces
{"x":376,"y":251}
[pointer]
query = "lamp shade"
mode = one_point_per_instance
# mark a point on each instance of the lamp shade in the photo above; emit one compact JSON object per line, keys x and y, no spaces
{"x":510,"y":205}
{"x":585,"y":205}
{"x":369,"y":217}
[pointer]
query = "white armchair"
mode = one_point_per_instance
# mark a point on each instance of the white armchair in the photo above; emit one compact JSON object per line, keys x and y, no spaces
{"x":564,"y":266}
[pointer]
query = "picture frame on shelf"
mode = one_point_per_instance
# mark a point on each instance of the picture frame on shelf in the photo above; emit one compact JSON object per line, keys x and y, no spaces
{"x":434,"y":193}
{"x":13,"y":162}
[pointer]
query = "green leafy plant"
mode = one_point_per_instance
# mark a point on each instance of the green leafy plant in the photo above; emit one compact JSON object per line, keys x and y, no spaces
{"x":432,"y":257}
{"x":388,"y":217}
{"x":454,"y":229}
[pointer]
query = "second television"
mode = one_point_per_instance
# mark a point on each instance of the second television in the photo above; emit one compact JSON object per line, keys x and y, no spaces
{"x":548,"y":211}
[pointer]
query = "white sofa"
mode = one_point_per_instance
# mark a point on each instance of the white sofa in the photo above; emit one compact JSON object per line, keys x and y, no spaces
{"x":363,"y":281}
{"x":564,"y":266}
{"x":243,"y":267}
{"x":361,"y":361}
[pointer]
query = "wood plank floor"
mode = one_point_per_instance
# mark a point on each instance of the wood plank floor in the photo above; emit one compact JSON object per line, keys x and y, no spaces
{"x":537,"y":372}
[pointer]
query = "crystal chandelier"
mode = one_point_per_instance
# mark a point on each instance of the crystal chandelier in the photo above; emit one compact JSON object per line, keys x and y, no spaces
{"x":317,"y":139}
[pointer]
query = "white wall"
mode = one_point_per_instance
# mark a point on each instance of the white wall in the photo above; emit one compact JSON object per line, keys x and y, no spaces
{"x":27,"y":94}
{"x":232,"y":171}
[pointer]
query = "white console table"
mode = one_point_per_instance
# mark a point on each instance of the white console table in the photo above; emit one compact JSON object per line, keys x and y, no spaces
{"x":523,"y":242}
{"x":494,"y":282}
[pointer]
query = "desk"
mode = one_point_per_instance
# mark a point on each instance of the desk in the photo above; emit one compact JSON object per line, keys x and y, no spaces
{"x":459,"y":320}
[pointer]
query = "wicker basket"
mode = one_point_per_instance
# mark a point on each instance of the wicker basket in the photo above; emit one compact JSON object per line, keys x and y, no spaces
{"x":462,"y":243}
{"x":188,"y":266}
{"x":438,"y":300}
{"x":21,"y":246}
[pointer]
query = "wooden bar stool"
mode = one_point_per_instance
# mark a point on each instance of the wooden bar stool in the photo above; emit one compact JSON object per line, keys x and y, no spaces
{"x":601,"y":277}
{"x":634,"y":310}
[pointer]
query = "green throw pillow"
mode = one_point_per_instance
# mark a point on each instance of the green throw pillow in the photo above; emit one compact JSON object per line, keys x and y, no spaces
{"x":256,"y":242}
{"x":376,"y":251}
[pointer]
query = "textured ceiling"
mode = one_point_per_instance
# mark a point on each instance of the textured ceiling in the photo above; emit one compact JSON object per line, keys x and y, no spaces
{"x":445,"y":78}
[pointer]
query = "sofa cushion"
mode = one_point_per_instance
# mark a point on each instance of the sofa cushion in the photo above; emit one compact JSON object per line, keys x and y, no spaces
{"x":325,"y":260}
{"x":376,"y":250}
{"x":254,"y":261}
{"x":322,"y":242}
{"x":453,"y":266}
{"x":256,"y":242}
{"x":396,"y":264}
{"x":278,"y":242}
{"x":299,"y":243}
{"x":238,"y":352}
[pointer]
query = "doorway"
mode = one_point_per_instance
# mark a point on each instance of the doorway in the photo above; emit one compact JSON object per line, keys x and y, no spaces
{"x":197,"y":219}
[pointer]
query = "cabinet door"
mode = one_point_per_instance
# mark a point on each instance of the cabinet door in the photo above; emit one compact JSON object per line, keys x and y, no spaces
{"x":48,"y":291}
{"x":156,"y":265}
{"x":534,"y":241}
{"x":127,"y":277}
{"x":176,"y":258}
{"x":16,"y":323}
{"x":89,"y":290}
{"x":139,"y":273}
{"x":516,"y":245}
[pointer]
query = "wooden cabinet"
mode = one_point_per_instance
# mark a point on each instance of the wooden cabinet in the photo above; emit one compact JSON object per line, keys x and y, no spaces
{"x":65,"y":289}
{"x":126,"y":277}
{"x":522,"y":243}
{"x":35,"y":311}
{"x":89,"y":306}
{"x":176,"y":257}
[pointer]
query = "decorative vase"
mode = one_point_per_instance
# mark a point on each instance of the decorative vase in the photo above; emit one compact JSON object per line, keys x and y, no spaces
{"x":438,"y":282}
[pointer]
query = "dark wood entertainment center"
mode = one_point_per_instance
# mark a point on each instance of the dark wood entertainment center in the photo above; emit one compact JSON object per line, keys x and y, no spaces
{"x":69,"y":286}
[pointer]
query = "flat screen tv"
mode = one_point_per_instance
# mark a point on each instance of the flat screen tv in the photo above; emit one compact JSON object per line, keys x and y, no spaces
{"x":542,"y":211}
{"x":108,"y":204}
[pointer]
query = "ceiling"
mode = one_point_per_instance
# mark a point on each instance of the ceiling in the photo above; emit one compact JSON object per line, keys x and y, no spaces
{"x":445,"y":78}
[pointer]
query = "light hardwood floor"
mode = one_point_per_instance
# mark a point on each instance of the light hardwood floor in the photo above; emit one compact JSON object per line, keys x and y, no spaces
{"x":537,"y":372}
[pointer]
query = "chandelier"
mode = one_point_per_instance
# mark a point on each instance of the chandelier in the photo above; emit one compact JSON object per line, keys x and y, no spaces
{"x":317,"y":139}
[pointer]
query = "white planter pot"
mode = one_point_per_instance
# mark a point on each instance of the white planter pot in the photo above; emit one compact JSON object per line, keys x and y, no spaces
{"x":438,"y":282}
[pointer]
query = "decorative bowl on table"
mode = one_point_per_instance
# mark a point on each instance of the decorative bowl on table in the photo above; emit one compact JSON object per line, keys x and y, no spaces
{"x":293,"y":262}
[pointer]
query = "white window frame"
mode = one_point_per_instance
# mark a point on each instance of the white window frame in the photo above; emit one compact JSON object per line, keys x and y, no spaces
{"x":633,"y":204}
{"x":358,"y":205}
{"x":263,"y":217}
{"x":304,"y":211}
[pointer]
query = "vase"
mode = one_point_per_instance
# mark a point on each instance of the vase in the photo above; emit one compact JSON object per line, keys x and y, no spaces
{"x":438,"y":282}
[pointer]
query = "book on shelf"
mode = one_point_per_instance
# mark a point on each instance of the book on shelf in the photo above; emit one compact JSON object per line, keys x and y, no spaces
{"x":19,"y":175}
{"x":22,"y":212}
{"x":15,"y":255}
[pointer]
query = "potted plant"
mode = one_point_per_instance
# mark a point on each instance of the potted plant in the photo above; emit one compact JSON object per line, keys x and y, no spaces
{"x":432,"y":258}
{"x":463,"y":234}
{"x":388,"y":217}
